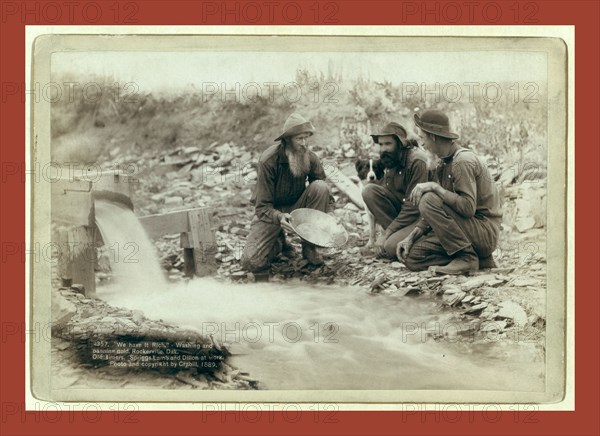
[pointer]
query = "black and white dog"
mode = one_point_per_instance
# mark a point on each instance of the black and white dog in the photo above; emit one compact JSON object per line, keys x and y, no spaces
{"x":369,"y":170}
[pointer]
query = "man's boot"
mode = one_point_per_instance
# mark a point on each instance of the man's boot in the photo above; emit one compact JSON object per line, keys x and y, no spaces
{"x":309,"y":252}
{"x":487,"y":262}
{"x":464,"y":262}
{"x":287,"y":249}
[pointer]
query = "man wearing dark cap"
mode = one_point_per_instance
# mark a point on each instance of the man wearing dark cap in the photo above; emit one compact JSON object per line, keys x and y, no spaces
{"x":461,"y":207}
{"x":283,"y":171}
{"x":387,"y":200}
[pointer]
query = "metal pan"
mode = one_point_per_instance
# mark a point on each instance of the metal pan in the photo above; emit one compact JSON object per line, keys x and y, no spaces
{"x":318,"y":228}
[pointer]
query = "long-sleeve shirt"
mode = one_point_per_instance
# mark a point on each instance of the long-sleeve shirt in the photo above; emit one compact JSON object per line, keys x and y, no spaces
{"x":276,"y":186}
{"x":400,"y":181}
{"x":469,"y":188}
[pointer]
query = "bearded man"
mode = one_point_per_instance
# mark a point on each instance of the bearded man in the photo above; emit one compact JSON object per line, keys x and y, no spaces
{"x":387,"y":199}
{"x":284,"y":170}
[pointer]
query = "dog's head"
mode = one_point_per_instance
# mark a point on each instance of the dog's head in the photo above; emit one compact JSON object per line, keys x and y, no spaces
{"x":369,"y":169}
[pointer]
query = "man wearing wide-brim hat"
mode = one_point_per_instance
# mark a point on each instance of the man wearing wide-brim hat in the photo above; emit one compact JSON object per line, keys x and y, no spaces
{"x":461,"y":207}
{"x":405,"y":166}
{"x":282,"y":173}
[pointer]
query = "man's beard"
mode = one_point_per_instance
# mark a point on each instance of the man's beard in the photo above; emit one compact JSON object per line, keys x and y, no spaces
{"x":299,"y":162}
{"x":389,"y":160}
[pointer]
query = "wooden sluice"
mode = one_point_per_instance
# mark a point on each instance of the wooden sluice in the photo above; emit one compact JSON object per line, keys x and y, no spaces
{"x":76,"y":236}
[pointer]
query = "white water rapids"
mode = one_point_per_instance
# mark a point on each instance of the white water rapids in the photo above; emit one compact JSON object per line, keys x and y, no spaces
{"x":301,"y":336}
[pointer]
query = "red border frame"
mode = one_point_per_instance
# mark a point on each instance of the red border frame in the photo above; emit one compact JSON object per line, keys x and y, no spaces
{"x":583,"y":14}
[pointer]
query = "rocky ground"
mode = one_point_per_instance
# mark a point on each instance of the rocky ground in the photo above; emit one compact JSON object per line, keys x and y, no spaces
{"x":506,"y":300}
{"x":512,"y":295}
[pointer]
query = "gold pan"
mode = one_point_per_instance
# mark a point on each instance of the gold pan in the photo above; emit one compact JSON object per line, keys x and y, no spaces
{"x":318,"y":228}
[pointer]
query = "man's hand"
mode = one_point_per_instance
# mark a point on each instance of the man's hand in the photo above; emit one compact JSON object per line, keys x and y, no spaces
{"x":420,"y":189}
{"x":378,"y":248}
{"x":284,"y":222}
{"x":404,"y":246}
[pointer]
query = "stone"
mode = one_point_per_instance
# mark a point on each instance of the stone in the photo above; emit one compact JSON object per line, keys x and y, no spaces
{"x":467,"y":299}
{"x":525,"y":223}
{"x":86,"y":313}
{"x":525,"y":281}
{"x":377,"y":284}
{"x":238,"y":275}
{"x":476,"y":308}
{"x":511,"y":310}
{"x":450,"y":289}
{"x":396,"y":265}
{"x":137,"y":316}
{"x":63,"y":345}
{"x":250,"y":176}
{"x":477,"y":282}
{"x":62,"y":310}
{"x":78,"y":288}
{"x":452,"y":299}
{"x":412,"y":292}
{"x":182,"y":192}
{"x":173,"y":201}
{"x":498,"y":325}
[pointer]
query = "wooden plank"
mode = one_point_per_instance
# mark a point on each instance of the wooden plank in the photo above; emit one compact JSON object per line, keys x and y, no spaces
{"x":71,"y":202}
{"x":345,"y":185}
{"x":82,"y":256}
{"x":63,"y":255}
{"x":203,"y":240}
{"x":185,"y":241}
{"x":114,"y":182}
{"x":168,"y":223}
{"x":189,"y":268}
{"x":165,"y":223}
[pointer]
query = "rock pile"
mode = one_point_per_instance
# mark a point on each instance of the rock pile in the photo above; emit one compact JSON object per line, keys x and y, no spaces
{"x":99,"y":339}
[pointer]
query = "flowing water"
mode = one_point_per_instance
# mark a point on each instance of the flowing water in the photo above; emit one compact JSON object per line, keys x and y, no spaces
{"x":134,"y":261}
{"x":301,"y":336}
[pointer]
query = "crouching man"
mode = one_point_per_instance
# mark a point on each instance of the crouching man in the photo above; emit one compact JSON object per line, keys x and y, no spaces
{"x":387,"y":199}
{"x":283,"y":170}
{"x":461,"y":207}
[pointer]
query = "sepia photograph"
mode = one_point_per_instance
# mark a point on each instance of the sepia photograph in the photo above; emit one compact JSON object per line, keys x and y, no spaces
{"x":361,"y":219}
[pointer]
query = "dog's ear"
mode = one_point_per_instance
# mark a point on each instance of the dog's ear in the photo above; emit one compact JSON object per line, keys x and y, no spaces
{"x":360,"y":163}
{"x":413,"y":143}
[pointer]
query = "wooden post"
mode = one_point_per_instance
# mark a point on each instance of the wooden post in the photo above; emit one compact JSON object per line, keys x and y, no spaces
{"x":189,"y":268}
{"x":203,"y":242}
{"x":77,"y":258}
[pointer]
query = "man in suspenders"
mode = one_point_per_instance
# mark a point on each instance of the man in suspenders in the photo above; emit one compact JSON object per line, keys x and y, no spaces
{"x":460,"y":210}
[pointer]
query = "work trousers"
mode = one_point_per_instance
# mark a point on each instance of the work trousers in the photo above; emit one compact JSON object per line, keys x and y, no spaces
{"x":451,"y":234}
{"x":385,"y":207}
{"x":264,"y":242}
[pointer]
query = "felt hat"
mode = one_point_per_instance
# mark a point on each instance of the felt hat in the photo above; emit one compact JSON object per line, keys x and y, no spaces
{"x":435,"y":122}
{"x":294,"y":125}
{"x":392,"y":129}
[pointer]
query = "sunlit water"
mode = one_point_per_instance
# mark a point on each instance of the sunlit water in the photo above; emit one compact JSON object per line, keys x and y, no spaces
{"x":301,"y":336}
